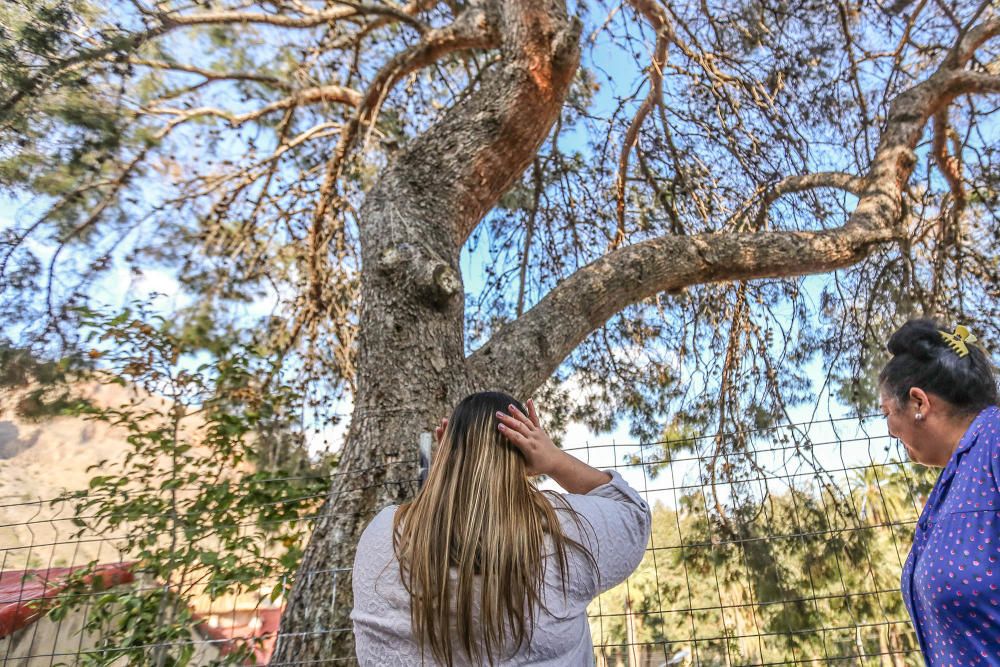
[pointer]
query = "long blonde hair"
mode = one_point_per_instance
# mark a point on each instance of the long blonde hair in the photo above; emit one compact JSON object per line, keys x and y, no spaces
{"x":477,"y":513}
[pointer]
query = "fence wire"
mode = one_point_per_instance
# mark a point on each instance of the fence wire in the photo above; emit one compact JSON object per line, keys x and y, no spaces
{"x":782,"y":546}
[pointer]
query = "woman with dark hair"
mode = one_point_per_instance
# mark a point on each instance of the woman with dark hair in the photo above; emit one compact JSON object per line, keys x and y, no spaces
{"x":939,"y":395}
{"x":482,"y":567}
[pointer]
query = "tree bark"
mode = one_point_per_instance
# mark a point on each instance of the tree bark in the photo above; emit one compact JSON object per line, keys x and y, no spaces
{"x":411,"y":356}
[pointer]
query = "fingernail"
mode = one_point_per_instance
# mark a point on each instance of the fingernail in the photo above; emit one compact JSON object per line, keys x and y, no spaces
{"x":501,"y":427}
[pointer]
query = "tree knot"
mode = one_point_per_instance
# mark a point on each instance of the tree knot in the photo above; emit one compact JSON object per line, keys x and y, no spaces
{"x":434,"y":280}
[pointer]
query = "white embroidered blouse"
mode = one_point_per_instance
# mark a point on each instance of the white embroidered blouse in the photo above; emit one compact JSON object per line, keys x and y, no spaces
{"x":615,"y":530}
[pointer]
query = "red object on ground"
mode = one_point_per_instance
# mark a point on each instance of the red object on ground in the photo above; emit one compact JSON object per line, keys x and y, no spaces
{"x":257,"y":627}
{"x":24,"y":594}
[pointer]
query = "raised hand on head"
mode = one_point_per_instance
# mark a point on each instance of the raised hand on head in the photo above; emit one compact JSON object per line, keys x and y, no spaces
{"x":525,"y":432}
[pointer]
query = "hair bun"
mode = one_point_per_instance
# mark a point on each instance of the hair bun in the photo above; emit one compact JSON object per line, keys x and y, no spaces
{"x":920,"y":339}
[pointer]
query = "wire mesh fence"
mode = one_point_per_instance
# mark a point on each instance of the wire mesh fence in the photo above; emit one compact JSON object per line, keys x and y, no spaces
{"x":773,"y":547}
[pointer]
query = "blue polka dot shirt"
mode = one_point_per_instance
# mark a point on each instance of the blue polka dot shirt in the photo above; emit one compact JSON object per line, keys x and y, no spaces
{"x":951,"y":579}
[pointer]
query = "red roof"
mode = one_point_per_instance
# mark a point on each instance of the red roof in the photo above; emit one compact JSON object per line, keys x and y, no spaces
{"x":25,"y":596}
{"x":23,"y":593}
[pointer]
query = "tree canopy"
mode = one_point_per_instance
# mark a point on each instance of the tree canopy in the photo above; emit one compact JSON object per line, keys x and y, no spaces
{"x":609,"y":205}
{"x":233,"y":144}
{"x":811,"y":576}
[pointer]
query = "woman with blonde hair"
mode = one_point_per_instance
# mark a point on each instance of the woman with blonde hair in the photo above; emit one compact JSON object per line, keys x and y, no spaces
{"x":482,"y":567}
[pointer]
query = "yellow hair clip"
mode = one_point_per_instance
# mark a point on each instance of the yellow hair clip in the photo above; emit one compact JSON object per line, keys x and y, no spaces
{"x":957,"y":341}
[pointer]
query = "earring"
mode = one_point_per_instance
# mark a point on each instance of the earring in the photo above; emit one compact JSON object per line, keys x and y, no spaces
{"x":919,"y":416}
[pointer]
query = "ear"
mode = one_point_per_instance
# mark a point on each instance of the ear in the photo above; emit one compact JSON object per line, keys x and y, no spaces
{"x":920,"y":399}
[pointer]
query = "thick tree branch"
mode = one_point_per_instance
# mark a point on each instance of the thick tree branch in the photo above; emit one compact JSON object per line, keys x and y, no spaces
{"x":459,"y":168}
{"x":972,"y":40}
{"x":530,"y":349}
{"x":967,"y":83}
{"x":471,"y":30}
{"x":825,"y":179}
{"x":949,"y":165}
{"x":524,"y":353}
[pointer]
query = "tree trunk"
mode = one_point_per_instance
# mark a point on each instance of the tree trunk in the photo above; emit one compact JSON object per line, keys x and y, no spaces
{"x":896,"y":648}
{"x":411,"y":372}
{"x":411,"y":358}
{"x":632,"y":647}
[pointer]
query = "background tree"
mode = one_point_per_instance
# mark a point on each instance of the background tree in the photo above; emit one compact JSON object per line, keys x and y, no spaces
{"x":190,"y":505}
{"x":636,"y":223}
{"x":812,"y":576}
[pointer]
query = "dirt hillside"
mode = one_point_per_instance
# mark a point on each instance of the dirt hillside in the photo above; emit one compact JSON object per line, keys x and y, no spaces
{"x":41,"y":459}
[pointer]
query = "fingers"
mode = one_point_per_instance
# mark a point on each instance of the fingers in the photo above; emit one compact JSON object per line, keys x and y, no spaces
{"x":516,"y":438}
{"x":520,"y":416}
{"x":510,"y":429}
{"x":533,"y":414}
{"x":512,"y":423}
